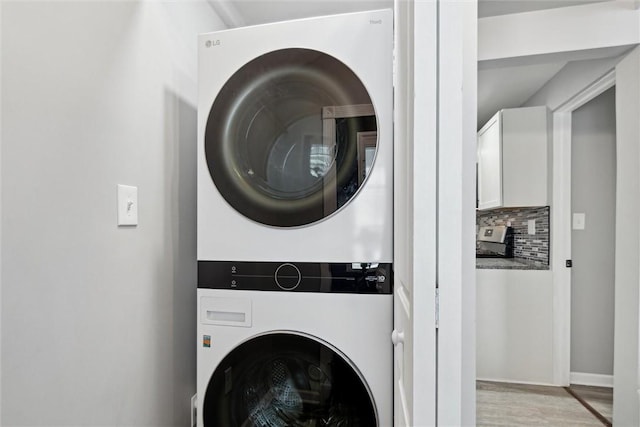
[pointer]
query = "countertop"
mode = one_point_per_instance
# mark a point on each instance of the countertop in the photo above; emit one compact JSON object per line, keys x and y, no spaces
{"x":508,"y":264}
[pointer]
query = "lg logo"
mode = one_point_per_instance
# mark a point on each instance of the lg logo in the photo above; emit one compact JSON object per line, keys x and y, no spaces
{"x":210,"y":43}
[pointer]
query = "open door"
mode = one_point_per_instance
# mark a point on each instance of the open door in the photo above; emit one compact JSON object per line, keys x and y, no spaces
{"x":434,"y":195}
{"x":415,"y":171}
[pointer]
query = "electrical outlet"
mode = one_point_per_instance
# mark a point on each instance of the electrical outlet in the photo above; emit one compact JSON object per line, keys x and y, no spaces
{"x":531,"y":226}
{"x":194,"y":410}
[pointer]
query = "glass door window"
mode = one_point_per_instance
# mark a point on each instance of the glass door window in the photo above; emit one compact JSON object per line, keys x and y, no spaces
{"x":281,"y":138}
{"x":280,"y":380}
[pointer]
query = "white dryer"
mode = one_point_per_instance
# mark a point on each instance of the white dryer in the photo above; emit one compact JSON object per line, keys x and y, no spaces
{"x":280,"y":358}
{"x":295,"y":143}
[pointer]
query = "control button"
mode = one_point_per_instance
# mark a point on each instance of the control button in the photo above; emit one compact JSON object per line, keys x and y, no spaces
{"x":287,"y":277}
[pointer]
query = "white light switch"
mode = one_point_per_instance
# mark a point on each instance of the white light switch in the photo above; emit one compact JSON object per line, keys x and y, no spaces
{"x":579,"y":220}
{"x":127,"y":205}
{"x":531,"y":225}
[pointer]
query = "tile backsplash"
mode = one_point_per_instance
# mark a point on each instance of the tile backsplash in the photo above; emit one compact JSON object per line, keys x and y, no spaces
{"x":532,"y":247}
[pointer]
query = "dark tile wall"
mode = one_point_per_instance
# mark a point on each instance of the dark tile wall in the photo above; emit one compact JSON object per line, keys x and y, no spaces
{"x":533,"y":247}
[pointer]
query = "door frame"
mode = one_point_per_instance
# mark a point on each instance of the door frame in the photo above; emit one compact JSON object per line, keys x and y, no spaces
{"x":561,"y":222}
{"x":435,"y":114}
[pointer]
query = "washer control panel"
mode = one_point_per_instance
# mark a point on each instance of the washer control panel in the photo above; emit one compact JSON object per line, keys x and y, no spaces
{"x":359,"y":277}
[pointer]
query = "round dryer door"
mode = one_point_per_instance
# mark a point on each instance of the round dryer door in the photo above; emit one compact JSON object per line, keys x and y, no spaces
{"x":280,"y":380}
{"x":291,"y":137}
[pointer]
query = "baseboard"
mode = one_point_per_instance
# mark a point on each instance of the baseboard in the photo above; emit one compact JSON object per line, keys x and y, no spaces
{"x":598,"y":380}
{"x":510,"y":381}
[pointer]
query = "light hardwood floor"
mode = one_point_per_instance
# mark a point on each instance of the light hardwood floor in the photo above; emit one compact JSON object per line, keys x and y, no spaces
{"x":599,"y":398}
{"x":518,"y":405}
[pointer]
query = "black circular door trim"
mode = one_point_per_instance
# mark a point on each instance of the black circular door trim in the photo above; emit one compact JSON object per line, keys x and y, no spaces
{"x":246,"y":134}
{"x":287,"y":378}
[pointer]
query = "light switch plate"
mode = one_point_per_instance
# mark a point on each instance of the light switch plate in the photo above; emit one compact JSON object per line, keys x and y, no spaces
{"x":579,"y":220}
{"x":127,"y":205}
{"x":531,"y":226}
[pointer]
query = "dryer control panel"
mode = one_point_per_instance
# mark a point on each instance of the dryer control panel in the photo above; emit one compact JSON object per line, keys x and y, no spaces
{"x":359,"y":278}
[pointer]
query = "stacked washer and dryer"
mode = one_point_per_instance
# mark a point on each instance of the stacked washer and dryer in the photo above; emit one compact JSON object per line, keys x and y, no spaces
{"x":295,"y":227}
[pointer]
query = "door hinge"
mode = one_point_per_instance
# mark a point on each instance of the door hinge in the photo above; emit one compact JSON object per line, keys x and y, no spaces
{"x":437,"y":308}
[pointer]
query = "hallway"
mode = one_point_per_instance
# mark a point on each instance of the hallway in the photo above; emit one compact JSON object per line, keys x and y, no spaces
{"x":505,"y":404}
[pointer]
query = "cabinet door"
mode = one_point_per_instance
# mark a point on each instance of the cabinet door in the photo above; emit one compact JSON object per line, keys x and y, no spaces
{"x":525,"y":152}
{"x":490,"y":164}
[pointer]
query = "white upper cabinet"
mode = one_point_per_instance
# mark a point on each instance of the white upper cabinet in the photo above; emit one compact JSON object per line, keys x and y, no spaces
{"x":490,"y":164}
{"x":514,"y":159}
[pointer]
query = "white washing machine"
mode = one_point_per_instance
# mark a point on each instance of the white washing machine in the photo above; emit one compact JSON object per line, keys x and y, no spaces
{"x":295,"y":143}
{"x":269,"y":355}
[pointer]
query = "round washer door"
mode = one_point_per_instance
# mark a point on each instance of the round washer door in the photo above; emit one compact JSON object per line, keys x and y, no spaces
{"x":291,"y":137}
{"x":280,"y":380}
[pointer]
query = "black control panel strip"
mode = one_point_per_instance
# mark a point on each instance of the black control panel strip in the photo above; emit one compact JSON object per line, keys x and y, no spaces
{"x":356,"y":278}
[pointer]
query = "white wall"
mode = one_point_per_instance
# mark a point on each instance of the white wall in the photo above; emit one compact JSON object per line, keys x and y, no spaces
{"x":536,"y":35}
{"x":98,"y":321}
{"x":515,"y":325}
{"x":570,"y":81}
{"x":456,"y":155}
{"x":593,"y":185}
{"x":627,"y":70}
{"x":0,"y":215}
{"x":627,"y":270}
{"x":563,"y":89}
{"x":566,"y":29}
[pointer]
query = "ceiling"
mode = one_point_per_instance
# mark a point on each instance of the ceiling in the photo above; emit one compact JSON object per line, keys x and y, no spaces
{"x":501,"y":84}
{"x":510,"y":83}
{"x":505,"y":7}
{"x":508,"y":86}
{"x":252,"y":12}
